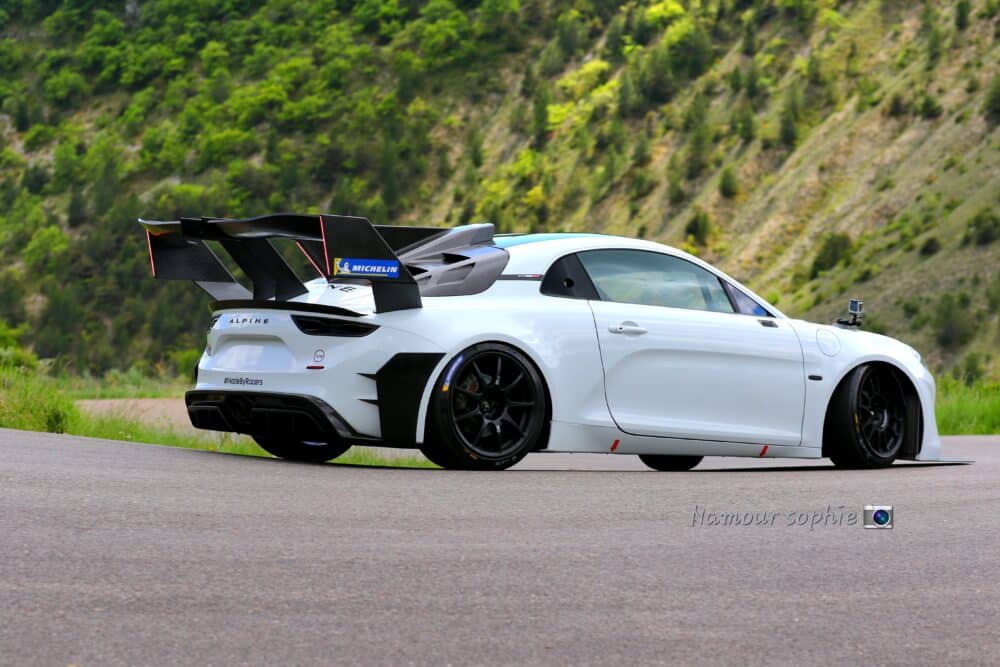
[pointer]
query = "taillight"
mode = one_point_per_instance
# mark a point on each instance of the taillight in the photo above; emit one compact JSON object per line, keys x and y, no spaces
{"x":327,"y":326}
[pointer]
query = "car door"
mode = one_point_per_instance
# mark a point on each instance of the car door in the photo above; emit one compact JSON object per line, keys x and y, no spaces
{"x":679,"y":359}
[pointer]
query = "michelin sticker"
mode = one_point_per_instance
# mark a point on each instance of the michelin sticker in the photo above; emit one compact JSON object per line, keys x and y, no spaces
{"x":374,"y":268}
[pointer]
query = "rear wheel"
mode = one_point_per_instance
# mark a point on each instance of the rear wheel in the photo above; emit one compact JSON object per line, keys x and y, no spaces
{"x":670,"y":463}
{"x":866,"y":424}
{"x":488,"y":410}
{"x":298,"y":450}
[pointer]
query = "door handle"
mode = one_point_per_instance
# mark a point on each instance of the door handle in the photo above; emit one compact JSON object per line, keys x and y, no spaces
{"x":627,"y":328}
{"x":771,"y":324}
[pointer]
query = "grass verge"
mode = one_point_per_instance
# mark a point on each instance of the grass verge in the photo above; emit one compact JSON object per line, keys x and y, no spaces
{"x":968,"y":409}
{"x":32,"y":402}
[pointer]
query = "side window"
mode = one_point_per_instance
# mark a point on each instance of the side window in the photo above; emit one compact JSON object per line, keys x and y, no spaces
{"x":654,"y":279}
{"x":744,"y":304}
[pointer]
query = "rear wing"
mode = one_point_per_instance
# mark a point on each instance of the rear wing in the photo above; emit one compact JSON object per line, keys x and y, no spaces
{"x":401,"y":263}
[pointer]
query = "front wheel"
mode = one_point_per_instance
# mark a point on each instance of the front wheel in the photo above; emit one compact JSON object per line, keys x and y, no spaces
{"x":299,"y":450}
{"x":867,"y":424}
{"x":488,"y":410}
{"x":670,"y":463}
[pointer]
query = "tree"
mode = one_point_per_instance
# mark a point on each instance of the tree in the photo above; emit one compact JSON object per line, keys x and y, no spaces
{"x":76,"y":211}
{"x":641,"y":152}
{"x":962,"y":14}
{"x":791,"y":110}
{"x":753,"y":84}
{"x":744,"y":122}
{"x":699,"y":227}
{"x":540,"y":116}
{"x":992,"y":105}
{"x":749,"y":45}
{"x":696,"y":111}
{"x":699,"y":146}
{"x":675,"y":183}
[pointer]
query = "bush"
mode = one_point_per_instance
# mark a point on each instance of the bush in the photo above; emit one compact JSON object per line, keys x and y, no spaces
{"x":29,"y":402}
{"x":699,"y":227}
{"x":983,"y":228}
{"x":15,"y":357}
{"x":992,"y":105}
{"x":962,"y":14}
{"x":898,"y":106}
{"x":699,"y":146}
{"x":928,"y":107}
{"x":64,"y":88}
{"x":953,"y":323}
{"x":835,"y":248}
{"x":930,"y":247}
{"x":729,"y":187}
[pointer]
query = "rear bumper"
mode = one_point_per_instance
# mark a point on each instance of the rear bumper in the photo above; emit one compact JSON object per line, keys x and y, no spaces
{"x":291,"y":416}
{"x":399,"y":386}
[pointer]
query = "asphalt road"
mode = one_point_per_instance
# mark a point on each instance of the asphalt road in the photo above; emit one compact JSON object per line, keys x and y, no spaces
{"x":116,"y":553}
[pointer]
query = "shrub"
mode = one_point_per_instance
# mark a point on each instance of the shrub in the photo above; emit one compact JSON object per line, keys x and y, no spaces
{"x":64,"y":87}
{"x":699,"y":227}
{"x":962,"y":14}
{"x":675,"y":187}
{"x":835,"y":248}
{"x":744,"y":123}
{"x":953,"y":323}
{"x":983,"y":228}
{"x":928,"y":107}
{"x":729,"y":187}
{"x":930,"y":247}
{"x":698,"y":149}
{"x":992,"y":105}
{"x":898,"y":106}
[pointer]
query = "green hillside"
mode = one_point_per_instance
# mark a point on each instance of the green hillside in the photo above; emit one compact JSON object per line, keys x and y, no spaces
{"x":815,"y":149}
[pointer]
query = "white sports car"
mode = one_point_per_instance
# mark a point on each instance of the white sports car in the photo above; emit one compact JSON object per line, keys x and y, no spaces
{"x":478,"y":349}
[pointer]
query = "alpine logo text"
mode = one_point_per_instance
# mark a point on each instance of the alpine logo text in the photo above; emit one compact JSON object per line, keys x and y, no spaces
{"x":237,"y":320}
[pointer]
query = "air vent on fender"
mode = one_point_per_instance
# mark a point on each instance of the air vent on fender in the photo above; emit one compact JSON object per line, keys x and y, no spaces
{"x":327,"y":326}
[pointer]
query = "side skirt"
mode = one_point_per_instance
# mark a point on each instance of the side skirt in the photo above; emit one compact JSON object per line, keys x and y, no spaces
{"x":566,"y":437}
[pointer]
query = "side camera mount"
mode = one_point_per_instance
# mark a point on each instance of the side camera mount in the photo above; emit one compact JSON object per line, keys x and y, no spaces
{"x":855,"y":308}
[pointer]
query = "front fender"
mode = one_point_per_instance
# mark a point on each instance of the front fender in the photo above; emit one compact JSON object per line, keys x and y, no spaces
{"x":831,"y":353}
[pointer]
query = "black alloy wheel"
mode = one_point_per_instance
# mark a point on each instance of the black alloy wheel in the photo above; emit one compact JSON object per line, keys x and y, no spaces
{"x":868,"y":421}
{"x":488,"y":410}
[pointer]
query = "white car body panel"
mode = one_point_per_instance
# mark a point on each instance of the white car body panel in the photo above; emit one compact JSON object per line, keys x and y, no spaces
{"x":701,"y":375}
{"x":699,"y":383}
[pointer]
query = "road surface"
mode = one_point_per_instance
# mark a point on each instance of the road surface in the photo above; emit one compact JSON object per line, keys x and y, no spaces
{"x":117,"y":553}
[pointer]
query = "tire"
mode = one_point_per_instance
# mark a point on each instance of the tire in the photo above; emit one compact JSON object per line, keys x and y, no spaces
{"x":670,"y":463}
{"x":306,"y":452}
{"x":437,"y":455}
{"x":488,"y":410}
{"x":867,"y":421}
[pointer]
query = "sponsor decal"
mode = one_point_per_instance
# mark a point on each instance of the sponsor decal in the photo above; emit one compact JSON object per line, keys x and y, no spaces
{"x":371,"y":268}
{"x":244,"y":381}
